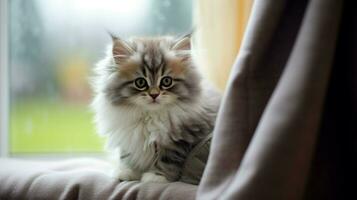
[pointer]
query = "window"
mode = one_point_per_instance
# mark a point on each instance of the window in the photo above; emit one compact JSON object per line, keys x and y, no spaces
{"x":52,"y":46}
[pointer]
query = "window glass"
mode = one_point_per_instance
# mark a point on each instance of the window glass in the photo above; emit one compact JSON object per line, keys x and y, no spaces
{"x":53,"y":47}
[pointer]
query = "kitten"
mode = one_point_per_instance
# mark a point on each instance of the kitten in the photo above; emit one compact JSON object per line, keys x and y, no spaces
{"x":150,"y":104}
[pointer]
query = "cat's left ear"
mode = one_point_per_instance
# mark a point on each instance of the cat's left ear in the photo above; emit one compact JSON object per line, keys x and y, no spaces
{"x":183,"y":43}
{"x":121,"y":50}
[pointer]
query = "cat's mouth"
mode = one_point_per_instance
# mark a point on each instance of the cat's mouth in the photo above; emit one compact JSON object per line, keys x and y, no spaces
{"x":155,"y":102}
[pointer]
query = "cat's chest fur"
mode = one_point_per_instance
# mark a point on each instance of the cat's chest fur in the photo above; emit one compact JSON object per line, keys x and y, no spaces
{"x":142,"y":135}
{"x":147,"y":129}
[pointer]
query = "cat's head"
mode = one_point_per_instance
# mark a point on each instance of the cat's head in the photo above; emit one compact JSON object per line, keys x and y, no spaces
{"x":152,"y":73}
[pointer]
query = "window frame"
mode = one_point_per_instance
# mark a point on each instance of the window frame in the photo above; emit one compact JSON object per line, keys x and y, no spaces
{"x":4,"y":80}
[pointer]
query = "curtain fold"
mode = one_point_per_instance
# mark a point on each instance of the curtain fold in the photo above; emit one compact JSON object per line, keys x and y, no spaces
{"x":265,"y":135}
{"x":333,"y":171}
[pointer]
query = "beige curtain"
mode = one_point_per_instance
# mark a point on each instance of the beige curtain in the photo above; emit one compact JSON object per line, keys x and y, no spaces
{"x":219,"y":31}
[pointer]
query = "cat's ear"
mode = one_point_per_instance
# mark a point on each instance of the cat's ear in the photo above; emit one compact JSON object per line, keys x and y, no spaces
{"x":121,"y":50}
{"x":183,"y":43}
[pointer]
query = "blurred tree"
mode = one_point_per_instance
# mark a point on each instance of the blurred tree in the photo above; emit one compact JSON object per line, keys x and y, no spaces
{"x":170,"y":16}
{"x":28,"y":70}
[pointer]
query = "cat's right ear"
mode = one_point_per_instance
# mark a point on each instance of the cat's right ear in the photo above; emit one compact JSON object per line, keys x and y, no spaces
{"x":121,"y":50}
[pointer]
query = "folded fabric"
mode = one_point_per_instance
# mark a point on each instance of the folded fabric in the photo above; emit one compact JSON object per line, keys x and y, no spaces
{"x":79,"y":179}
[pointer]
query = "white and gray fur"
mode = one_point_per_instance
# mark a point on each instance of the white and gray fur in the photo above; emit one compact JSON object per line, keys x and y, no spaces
{"x":153,"y":139}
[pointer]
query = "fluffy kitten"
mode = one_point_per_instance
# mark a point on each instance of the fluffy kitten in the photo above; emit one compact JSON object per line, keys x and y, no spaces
{"x":150,"y":104}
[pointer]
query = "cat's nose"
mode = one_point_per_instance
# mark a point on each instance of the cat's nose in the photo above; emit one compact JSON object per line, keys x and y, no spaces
{"x":153,"y":96}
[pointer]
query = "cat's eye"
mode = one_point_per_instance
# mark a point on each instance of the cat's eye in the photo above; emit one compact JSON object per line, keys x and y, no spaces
{"x":140,"y":83}
{"x":166,"y":81}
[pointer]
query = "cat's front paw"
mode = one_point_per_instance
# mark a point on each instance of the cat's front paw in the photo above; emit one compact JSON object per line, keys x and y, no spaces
{"x":126,"y":174}
{"x":152,"y":177}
